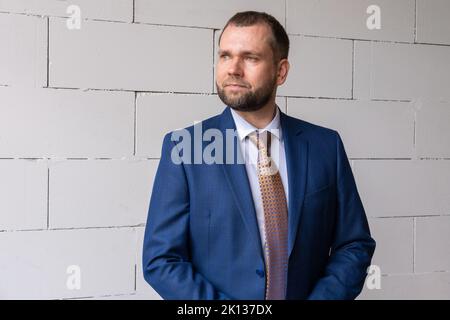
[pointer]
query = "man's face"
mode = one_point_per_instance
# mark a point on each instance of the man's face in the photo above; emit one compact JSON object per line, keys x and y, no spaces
{"x":246,"y":72}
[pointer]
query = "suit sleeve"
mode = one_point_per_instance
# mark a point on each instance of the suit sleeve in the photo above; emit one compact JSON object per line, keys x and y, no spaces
{"x":166,"y":258}
{"x":352,"y":246}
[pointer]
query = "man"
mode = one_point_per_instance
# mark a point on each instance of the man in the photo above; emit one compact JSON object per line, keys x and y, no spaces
{"x":286,"y":224}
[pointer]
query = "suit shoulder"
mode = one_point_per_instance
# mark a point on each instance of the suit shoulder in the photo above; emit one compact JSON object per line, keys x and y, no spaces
{"x":313,"y":130}
{"x":208,"y":123}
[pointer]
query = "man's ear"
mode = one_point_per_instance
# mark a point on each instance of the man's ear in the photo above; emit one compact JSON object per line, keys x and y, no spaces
{"x":283,"y":70}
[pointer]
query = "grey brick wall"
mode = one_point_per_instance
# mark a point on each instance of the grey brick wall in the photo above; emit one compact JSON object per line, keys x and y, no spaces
{"x":83,"y":113}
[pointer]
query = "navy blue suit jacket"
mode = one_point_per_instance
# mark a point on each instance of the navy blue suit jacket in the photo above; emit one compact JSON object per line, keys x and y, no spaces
{"x":202,"y":239}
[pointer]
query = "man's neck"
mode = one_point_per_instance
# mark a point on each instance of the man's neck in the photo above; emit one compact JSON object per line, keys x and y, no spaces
{"x":262,"y":117}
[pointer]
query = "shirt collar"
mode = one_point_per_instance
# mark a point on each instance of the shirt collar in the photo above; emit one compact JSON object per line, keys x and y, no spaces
{"x":244,"y":128}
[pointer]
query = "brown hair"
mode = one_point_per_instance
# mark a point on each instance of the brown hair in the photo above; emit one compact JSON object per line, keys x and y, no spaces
{"x":280,"y":39}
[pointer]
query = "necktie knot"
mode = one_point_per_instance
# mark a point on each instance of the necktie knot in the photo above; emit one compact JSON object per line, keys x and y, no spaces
{"x":261,"y":140}
{"x":266,"y":165}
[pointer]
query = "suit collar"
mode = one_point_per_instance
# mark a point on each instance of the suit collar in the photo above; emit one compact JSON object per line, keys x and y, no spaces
{"x":296,"y":148}
{"x":244,"y":128}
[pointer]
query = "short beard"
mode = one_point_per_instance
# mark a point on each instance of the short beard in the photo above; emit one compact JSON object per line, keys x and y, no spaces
{"x":250,"y":101}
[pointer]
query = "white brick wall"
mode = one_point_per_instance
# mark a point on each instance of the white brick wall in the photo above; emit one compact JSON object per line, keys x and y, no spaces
{"x":113,"y":10}
{"x":99,"y":193}
{"x":34,"y":263}
{"x":111,"y":55}
{"x":320,"y":67}
{"x":346,"y":19}
{"x":23,"y":194}
{"x":404,"y":187}
{"x":398,"y":71}
{"x":83,"y":113}
{"x":23,"y":57}
{"x":433,"y":25}
{"x":66,"y":123}
{"x":396,"y":119}
{"x":202,"y":13}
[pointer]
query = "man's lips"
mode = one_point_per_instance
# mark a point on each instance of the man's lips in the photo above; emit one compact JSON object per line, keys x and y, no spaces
{"x":235,"y":85}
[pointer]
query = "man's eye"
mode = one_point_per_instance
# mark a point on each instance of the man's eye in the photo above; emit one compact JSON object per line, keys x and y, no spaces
{"x":253,"y":59}
{"x":224,"y":56}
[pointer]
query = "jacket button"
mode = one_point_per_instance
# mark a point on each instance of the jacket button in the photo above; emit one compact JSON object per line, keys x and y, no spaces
{"x":260,"y":273}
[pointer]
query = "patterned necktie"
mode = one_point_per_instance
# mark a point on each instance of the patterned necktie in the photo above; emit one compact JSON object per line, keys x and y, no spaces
{"x":275,"y":219}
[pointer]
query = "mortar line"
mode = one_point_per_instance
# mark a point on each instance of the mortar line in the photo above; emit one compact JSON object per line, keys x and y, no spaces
{"x":414,"y":244}
{"x":84,"y":159}
{"x":353,"y":67}
{"x":369,"y":40}
{"x":142,"y":225}
{"x":213,"y":58}
{"x":135,"y":127}
{"x":48,"y":197}
{"x":415,"y":21}
{"x":48,"y":52}
{"x":414,"y":133}
{"x":286,"y":103}
{"x":159,"y":92}
{"x":135,"y":276}
{"x":110,"y":21}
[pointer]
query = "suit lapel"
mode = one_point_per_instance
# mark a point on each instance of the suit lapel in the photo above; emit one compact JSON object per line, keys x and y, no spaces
{"x":296,"y":150}
{"x":237,"y":179}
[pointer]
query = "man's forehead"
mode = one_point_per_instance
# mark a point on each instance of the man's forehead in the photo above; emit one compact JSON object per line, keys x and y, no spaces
{"x":258,"y":30}
{"x":248,"y":38}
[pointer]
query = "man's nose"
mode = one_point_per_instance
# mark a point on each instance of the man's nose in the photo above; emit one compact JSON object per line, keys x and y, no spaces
{"x":235,"y":68}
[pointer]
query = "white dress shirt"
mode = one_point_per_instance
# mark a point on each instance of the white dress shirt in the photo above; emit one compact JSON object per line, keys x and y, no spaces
{"x":250,"y":153}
